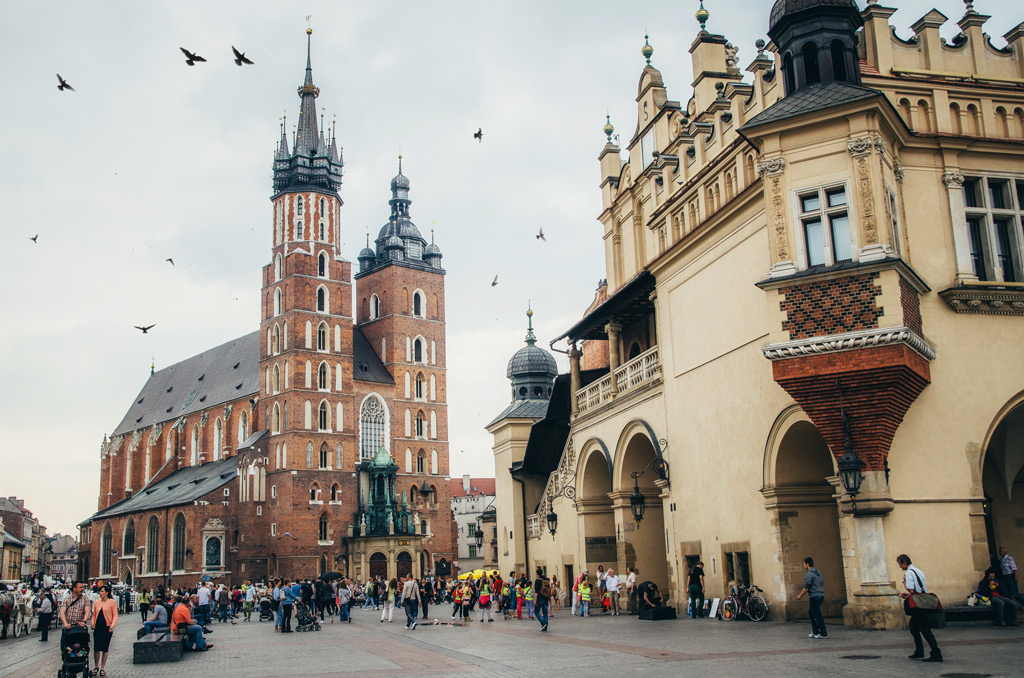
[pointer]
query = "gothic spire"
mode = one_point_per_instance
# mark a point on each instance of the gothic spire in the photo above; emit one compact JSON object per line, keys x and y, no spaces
{"x":308,"y":133}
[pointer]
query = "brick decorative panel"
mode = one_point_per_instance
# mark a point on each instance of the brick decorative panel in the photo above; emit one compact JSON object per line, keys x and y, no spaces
{"x":835,"y":306}
{"x":879,"y":386}
{"x":911,"y":306}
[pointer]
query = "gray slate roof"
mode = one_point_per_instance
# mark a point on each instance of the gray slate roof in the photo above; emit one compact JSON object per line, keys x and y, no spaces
{"x":811,"y":99}
{"x":11,"y":539}
{"x":531,"y":360}
{"x":523,"y":409}
{"x":788,"y":7}
{"x":366,"y":364}
{"x":216,"y":376}
{"x":184,"y":486}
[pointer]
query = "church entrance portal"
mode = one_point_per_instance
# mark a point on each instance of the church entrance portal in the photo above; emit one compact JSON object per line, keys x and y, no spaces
{"x":378,"y":565}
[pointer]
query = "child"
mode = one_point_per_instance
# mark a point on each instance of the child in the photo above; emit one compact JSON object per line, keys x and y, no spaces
{"x":519,"y":600}
{"x":584,"y":598}
{"x":457,"y":600}
{"x":528,"y":599}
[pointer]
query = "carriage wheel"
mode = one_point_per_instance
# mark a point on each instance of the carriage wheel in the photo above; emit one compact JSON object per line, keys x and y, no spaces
{"x":17,"y":619}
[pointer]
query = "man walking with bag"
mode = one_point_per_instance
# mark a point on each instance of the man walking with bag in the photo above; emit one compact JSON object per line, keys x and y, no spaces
{"x":919,"y":605}
{"x":542,"y":590}
{"x":410,"y":601}
{"x":814,"y":589}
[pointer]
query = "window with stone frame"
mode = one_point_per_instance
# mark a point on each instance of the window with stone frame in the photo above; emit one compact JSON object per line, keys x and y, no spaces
{"x":419,"y":425}
{"x":178,"y":543}
{"x":824,"y":219}
{"x":153,"y":545}
{"x":994,"y":209}
{"x":372,"y":418}
{"x":322,"y":529}
{"x":323,"y":455}
{"x":321,"y":337}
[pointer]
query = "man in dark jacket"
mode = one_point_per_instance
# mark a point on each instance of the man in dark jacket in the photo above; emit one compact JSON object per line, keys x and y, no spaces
{"x":1005,"y":608}
{"x":814,"y":589}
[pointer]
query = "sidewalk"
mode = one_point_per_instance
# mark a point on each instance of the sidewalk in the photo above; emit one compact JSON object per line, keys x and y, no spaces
{"x":612,"y":646}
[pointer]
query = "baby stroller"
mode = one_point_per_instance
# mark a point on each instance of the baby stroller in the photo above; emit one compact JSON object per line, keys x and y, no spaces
{"x":266,"y":611}
{"x":74,"y":652}
{"x":304,"y":621}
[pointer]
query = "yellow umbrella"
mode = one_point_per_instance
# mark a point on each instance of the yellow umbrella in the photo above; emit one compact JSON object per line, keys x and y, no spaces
{"x":465,"y":575}
{"x":478,"y":573}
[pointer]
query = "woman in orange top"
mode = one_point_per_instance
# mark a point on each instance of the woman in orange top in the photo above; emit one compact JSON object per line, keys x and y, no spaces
{"x":104,"y":619}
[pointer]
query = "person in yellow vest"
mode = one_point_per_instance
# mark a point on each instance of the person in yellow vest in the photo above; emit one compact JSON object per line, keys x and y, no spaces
{"x":528,"y":599}
{"x":457,"y":600}
{"x":519,"y":599}
{"x":485,"y":599}
{"x":584,"y":597}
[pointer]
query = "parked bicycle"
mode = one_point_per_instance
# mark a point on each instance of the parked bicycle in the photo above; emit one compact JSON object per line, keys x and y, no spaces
{"x":746,"y":601}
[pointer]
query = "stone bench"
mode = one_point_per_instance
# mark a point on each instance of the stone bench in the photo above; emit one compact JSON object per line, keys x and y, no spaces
{"x":657,"y":613}
{"x":966,"y":615}
{"x":159,"y":646}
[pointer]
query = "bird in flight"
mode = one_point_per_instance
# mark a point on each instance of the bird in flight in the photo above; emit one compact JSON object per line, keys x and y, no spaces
{"x":146,"y":329}
{"x":479,"y":134}
{"x":170,"y":261}
{"x":540,"y":236}
{"x":190,"y":57}
{"x":35,"y":238}
{"x":494,"y":282}
{"x":240,"y":57}
{"x":62,"y":84}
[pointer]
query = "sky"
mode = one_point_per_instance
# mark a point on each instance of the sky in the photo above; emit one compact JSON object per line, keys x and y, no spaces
{"x":150,"y":159}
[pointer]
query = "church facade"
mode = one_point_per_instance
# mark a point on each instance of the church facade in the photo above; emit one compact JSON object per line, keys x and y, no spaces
{"x":316,"y":443}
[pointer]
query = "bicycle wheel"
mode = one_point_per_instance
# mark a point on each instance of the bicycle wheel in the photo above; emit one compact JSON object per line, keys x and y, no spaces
{"x":730,"y":607}
{"x":757,"y":608}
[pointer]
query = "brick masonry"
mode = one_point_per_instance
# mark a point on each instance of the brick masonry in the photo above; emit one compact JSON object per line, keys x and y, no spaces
{"x":911,"y":303}
{"x":832,"y":306}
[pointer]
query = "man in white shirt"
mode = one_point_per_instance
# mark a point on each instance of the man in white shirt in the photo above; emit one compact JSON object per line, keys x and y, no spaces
{"x":204,"y":605}
{"x":248,"y":602}
{"x":631,"y":590}
{"x":611,"y":584}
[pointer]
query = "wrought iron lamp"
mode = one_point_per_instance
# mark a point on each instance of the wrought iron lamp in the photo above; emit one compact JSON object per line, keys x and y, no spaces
{"x":637,"y":501}
{"x":850,"y":465}
{"x":552,"y":522}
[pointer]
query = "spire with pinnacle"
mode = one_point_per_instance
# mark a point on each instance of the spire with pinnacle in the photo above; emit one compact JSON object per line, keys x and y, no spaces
{"x":308,"y":133}
{"x":530,"y":338}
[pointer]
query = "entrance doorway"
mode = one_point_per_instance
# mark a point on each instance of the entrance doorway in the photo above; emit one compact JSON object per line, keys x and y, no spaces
{"x":1003,"y":482}
{"x":404,"y":563}
{"x":595,"y":511}
{"x":642,"y":544}
{"x":807,"y":516}
{"x":378,"y":565}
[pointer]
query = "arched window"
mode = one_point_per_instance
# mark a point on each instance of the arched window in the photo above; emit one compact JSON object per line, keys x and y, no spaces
{"x":335,"y":492}
{"x":323,"y":455}
{"x":323,"y":207}
{"x":408,"y":460}
{"x":128,"y":542}
{"x":323,"y":377}
{"x":419,"y":425}
{"x":321,"y":238}
{"x":243,"y":427}
{"x":195,"y":446}
{"x":275,"y":341}
{"x":275,"y":380}
{"x":811,"y":72}
{"x":277,"y":268}
{"x":417,"y":304}
{"x":298,"y":206}
{"x":789,"y":78}
{"x":178,"y":543}
{"x":275,"y":422}
{"x":372,"y":421}
{"x":839,"y":62}
{"x":321,"y":337}
{"x":321,"y":300}
{"x":325,"y":416}
{"x":322,"y":531}
{"x":374,"y":307}
{"x":321,"y":262}
{"x":433,"y":462}
{"x":419,"y":386}
{"x":420,"y":463}
{"x":169,"y":446}
{"x":218,"y":431}
{"x":314,"y":492}
{"x":153,"y":545}
{"x":417,"y":354}
{"x":105,"y":550}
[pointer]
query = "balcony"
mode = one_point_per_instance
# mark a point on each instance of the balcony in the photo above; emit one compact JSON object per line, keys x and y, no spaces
{"x":631,"y":376}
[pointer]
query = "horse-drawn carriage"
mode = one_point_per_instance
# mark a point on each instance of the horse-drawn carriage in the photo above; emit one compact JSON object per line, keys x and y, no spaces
{"x":15,"y":612}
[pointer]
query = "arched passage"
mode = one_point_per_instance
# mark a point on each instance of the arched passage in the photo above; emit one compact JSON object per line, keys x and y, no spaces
{"x":594,"y":505}
{"x":641,"y":543}
{"x":1002,"y":475}
{"x":800,"y":493}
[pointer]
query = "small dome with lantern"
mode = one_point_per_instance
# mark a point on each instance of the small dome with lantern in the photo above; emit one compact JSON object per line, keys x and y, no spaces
{"x":531,"y":369}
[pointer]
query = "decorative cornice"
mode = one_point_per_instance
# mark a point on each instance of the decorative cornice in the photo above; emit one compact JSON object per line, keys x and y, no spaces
{"x":953,"y":179}
{"x":974,"y":299}
{"x":771,"y":166}
{"x":850,"y":341}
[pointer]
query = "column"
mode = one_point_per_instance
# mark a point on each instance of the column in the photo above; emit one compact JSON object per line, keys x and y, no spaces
{"x":613,"y":330}
{"x":574,"y":377}
{"x":954,"y":181}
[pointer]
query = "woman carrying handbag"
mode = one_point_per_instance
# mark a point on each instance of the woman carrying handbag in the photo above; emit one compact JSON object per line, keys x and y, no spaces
{"x":919,"y":605}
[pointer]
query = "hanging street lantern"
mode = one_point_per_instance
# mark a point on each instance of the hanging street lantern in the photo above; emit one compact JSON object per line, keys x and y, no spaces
{"x":850,"y":467}
{"x":552,"y":522}
{"x":637,"y":502}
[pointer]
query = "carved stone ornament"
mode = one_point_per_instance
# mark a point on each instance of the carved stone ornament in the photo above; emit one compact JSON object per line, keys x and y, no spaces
{"x":777,"y":211}
{"x":227,"y":412}
{"x":136,"y":437}
{"x":988,"y":301}
{"x":849,"y":342}
{"x":154,"y":435}
{"x":859,"y":145}
{"x":880,"y":144}
{"x":953,"y":179}
{"x":771,"y":166}
{"x":899,"y":172}
{"x":202,"y":420}
{"x":214,"y":525}
{"x":867,"y":201}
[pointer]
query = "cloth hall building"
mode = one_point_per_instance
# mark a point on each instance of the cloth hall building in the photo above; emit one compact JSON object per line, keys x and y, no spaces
{"x":809,"y":339}
{"x":317,"y":442}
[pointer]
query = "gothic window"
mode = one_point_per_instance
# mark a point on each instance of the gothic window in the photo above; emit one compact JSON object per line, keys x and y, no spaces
{"x":323,"y":377}
{"x":178,"y":543}
{"x":277,"y":268}
{"x":275,"y":342}
{"x":195,"y":446}
{"x":417,"y":304}
{"x":169,"y":446}
{"x":243,"y":427}
{"x":420,"y":464}
{"x":153,"y":545}
{"x":374,"y":307}
{"x":323,"y":208}
{"x":299,"y":231}
{"x":322,"y":234}
{"x":321,"y":300}
{"x":419,"y":425}
{"x":417,"y":355}
{"x":419,"y":386}
{"x":321,"y":337}
{"x":105,"y":550}
{"x":298,"y":206}
{"x":275,"y":423}
{"x":323,"y":455}
{"x":325,"y":416}
{"x":128,"y":547}
{"x":309,"y":454}
{"x":433,"y":462}
{"x":321,"y":264}
{"x":218,"y":428}
{"x":314,"y":492}
{"x":335,"y":492}
{"x":322,"y":531}
{"x":372,"y":419}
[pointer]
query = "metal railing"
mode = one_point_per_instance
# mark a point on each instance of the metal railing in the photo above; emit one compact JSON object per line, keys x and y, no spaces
{"x":629,"y":376}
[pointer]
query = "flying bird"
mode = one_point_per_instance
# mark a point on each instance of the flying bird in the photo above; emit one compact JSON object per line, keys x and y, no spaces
{"x":35,"y":238}
{"x":240,"y":57}
{"x":146,"y":329}
{"x":540,"y":236}
{"x":170,"y":261}
{"x":494,"y":282}
{"x":191,"y":58}
{"x":479,"y":134}
{"x":62,"y":84}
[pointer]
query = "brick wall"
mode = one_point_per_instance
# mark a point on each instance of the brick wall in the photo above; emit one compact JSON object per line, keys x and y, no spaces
{"x":911,"y":305}
{"x":834,"y":306}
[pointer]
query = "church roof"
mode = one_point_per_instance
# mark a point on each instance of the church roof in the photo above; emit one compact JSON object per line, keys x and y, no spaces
{"x":784,"y":8}
{"x":810,"y":100}
{"x":218,"y":375}
{"x":184,"y":486}
{"x":366,"y":364}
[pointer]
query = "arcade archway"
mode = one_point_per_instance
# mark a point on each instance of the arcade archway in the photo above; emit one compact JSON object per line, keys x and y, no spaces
{"x":641,"y":544}
{"x":1002,"y":474}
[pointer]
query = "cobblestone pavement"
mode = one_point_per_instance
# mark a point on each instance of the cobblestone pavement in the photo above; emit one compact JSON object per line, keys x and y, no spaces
{"x":612,"y":646}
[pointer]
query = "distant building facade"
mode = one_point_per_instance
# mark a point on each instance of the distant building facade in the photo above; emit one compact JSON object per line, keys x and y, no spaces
{"x":26,"y":529}
{"x":63,"y":557}
{"x":471,"y":498}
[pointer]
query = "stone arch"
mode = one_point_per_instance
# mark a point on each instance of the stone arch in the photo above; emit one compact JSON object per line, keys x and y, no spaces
{"x":635,"y":427}
{"x":1001,"y":469}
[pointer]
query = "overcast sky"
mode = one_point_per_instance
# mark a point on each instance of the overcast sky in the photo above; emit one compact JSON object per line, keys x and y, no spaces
{"x":150,"y":159}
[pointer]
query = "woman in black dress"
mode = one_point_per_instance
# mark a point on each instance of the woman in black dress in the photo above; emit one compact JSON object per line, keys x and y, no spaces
{"x":104,"y":619}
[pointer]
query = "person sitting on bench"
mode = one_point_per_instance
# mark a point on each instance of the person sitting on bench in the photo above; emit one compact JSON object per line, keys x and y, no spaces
{"x":183,"y":622}
{"x":158,"y":617}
